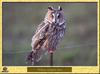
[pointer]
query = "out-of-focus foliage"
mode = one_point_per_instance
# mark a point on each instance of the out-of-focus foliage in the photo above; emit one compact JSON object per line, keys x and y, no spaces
{"x":78,"y":47}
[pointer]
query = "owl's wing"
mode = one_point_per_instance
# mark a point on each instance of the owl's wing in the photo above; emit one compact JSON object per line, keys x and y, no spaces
{"x":40,"y":26}
{"x":40,"y":34}
{"x":37,"y":41}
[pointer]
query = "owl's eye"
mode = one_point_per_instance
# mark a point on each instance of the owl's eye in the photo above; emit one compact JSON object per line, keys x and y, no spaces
{"x":53,"y":15}
{"x":58,"y":15}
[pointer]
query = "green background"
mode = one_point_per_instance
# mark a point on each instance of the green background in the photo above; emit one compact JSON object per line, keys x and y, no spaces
{"x":77,"y":48}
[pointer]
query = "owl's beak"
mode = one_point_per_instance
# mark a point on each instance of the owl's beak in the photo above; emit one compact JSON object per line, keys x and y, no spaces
{"x":54,"y":20}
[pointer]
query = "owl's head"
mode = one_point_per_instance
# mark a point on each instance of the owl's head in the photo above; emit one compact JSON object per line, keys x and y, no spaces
{"x":55,"y":15}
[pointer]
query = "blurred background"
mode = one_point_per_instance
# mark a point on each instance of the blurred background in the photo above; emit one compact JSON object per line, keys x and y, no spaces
{"x":78,"y":47}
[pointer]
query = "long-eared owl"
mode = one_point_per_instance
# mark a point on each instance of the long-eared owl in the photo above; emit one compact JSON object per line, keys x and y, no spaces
{"x":48,"y":34}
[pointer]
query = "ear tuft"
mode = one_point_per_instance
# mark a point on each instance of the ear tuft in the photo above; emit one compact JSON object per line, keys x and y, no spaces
{"x":50,"y":8}
{"x":59,"y":8}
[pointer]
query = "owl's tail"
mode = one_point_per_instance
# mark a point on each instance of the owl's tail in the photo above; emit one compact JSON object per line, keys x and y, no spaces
{"x":31,"y":57}
{"x":36,"y":56}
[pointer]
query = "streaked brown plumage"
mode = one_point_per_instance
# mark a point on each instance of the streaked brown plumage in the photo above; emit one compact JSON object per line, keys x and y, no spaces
{"x":48,"y":34}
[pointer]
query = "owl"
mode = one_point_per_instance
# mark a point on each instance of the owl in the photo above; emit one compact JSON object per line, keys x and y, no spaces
{"x":48,"y":34}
